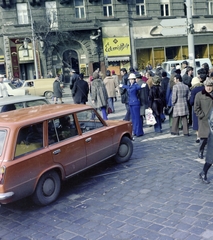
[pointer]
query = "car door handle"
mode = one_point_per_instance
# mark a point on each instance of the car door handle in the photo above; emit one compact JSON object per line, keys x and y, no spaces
{"x":88,"y":139}
{"x":56,"y":151}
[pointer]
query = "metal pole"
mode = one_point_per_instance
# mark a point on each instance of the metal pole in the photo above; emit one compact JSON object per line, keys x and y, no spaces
{"x":33,"y":41}
{"x":190,"y":31}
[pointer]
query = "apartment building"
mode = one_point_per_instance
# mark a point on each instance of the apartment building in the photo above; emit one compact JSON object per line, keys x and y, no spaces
{"x":90,"y":34}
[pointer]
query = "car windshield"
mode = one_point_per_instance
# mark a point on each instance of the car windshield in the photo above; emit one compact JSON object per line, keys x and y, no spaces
{"x":2,"y":140}
{"x":36,"y":103}
{"x":11,"y":85}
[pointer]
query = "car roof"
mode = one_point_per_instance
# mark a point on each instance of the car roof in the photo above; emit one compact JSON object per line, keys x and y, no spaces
{"x":39,"y":113}
{"x":18,"y":99}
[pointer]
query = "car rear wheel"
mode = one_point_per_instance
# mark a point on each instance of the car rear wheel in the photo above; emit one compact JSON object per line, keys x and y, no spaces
{"x":47,"y":189}
{"x":48,"y":94}
{"x":124,"y":151}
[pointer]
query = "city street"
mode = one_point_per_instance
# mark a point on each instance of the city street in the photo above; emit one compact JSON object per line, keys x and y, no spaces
{"x":156,"y":195}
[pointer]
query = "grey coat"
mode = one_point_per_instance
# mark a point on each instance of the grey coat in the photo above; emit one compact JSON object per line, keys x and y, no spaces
{"x":57,"y":89}
{"x":202,"y":106}
{"x":209,"y":152}
{"x":99,"y":93}
{"x":180,"y":94}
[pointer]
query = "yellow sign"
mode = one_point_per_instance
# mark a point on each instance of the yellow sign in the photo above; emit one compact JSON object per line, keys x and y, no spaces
{"x":117,"y":46}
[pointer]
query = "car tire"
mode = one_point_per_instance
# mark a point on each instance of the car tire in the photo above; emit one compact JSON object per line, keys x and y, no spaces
{"x":48,"y":94}
{"x":47,"y":189}
{"x":124,"y":151}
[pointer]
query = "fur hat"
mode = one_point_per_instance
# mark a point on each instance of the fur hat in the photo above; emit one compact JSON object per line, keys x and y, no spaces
{"x":156,"y":80}
{"x":132,"y":76}
{"x":195,"y":81}
{"x":208,"y":82}
{"x":95,"y":75}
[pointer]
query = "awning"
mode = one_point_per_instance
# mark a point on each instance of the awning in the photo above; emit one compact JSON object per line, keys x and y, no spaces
{"x":117,"y":59}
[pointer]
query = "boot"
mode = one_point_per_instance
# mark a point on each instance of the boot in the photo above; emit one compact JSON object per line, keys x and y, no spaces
{"x":203,"y":177}
{"x":200,"y":154}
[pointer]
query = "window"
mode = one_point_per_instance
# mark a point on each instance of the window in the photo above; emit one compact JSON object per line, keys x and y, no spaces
{"x":88,"y":120}
{"x":61,"y":128}
{"x":107,"y":8}
{"x":210,"y":7}
{"x":22,"y":13}
{"x":165,"y":11}
{"x":51,"y":14}
{"x":140,"y":7}
{"x":29,"y":139}
{"x":79,"y":9}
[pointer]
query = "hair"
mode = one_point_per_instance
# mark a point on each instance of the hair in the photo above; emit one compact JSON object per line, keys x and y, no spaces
{"x":164,"y":74}
{"x":178,"y":76}
{"x":81,"y":76}
{"x":124,"y":70}
{"x":201,"y":71}
{"x":202,"y":77}
{"x":189,"y":69}
{"x":206,"y":68}
{"x":108,"y":73}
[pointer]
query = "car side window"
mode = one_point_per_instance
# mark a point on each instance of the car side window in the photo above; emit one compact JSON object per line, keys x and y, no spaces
{"x":30,"y":138}
{"x":36,"y":103}
{"x":61,"y":128}
{"x":89,"y":120}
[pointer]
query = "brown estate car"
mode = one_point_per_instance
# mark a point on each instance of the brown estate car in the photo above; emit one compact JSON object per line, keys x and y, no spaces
{"x":41,"y":146}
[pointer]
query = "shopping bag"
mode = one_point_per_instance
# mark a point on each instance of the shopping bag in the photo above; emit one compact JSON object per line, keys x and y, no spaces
{"x":150,"y":119}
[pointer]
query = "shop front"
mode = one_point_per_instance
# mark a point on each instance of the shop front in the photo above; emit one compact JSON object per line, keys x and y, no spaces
{"x":117,"y":52}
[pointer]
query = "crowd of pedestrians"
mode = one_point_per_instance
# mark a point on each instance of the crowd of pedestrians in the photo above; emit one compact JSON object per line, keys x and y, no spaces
{"x":185,"y":97}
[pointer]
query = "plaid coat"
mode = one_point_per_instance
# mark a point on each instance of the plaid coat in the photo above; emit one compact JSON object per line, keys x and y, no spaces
{"x":180,"y":95}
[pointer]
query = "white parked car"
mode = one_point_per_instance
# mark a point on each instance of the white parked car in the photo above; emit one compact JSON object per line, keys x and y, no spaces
{"x":14,"y":91}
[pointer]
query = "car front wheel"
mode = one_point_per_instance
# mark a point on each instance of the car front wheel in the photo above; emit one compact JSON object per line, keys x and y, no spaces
{"x":48,"y":94}
{"x":47,"y":189}
{"x":124,"y":151}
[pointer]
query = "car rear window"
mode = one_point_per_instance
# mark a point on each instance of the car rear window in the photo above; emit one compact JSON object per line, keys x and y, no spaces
{"x":2,"y":140}
{"x":36,"y":103}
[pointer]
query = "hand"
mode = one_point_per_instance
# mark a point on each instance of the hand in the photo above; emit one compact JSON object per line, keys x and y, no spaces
{"x":120,"y":85}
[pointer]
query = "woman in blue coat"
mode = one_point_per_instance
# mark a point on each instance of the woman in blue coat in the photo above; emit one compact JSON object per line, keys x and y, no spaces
{"x":134,"y":104}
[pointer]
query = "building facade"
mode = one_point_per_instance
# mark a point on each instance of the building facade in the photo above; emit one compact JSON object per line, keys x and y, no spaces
{"x":90,"y":34}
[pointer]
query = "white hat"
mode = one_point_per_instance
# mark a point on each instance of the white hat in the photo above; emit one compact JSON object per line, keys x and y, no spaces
{"x":72,"y":70}
{"x":177,"y":67}
{"x":132,"y":76}
{"x":1,"y":76}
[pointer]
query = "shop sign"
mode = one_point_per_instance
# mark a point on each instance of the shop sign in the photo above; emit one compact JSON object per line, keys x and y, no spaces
{"x":117,"y":46}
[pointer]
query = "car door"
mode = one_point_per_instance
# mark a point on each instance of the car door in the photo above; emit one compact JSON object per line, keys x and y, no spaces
{"x":65,"y":144}
{"x":96,"y":136}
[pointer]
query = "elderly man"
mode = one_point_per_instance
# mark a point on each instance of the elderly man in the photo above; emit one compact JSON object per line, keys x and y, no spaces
{"x":3,"y":88}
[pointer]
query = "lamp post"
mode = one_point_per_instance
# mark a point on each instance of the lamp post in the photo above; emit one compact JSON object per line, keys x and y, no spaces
{"x":33,"y":41}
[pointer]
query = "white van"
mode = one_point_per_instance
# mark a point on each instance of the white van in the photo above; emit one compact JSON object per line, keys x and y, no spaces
{"x":198,"y":61}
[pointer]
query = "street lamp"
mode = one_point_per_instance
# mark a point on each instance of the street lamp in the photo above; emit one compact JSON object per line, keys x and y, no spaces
{"x":33,"y":41}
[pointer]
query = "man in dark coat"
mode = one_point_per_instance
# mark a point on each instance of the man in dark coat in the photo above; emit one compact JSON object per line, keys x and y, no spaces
{"x":80,"y":90}
{"x":57,"y":90}
{"x":74,"y":77}
{"x":124,"y":93}
{"x":143,"y":95}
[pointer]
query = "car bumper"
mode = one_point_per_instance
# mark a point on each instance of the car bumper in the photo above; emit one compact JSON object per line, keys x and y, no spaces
{"x":7,"y":195}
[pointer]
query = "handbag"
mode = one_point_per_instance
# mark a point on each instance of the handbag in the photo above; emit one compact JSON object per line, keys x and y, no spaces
{"x":109,"y":110}
{"x":168,"y":110}
{"x":150,"y":118}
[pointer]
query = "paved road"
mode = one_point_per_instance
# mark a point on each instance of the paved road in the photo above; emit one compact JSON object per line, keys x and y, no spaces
{"x":156,"y":195}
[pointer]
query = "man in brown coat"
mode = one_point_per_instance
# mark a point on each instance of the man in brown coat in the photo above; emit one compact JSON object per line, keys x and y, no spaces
{"x":110,"y":85}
